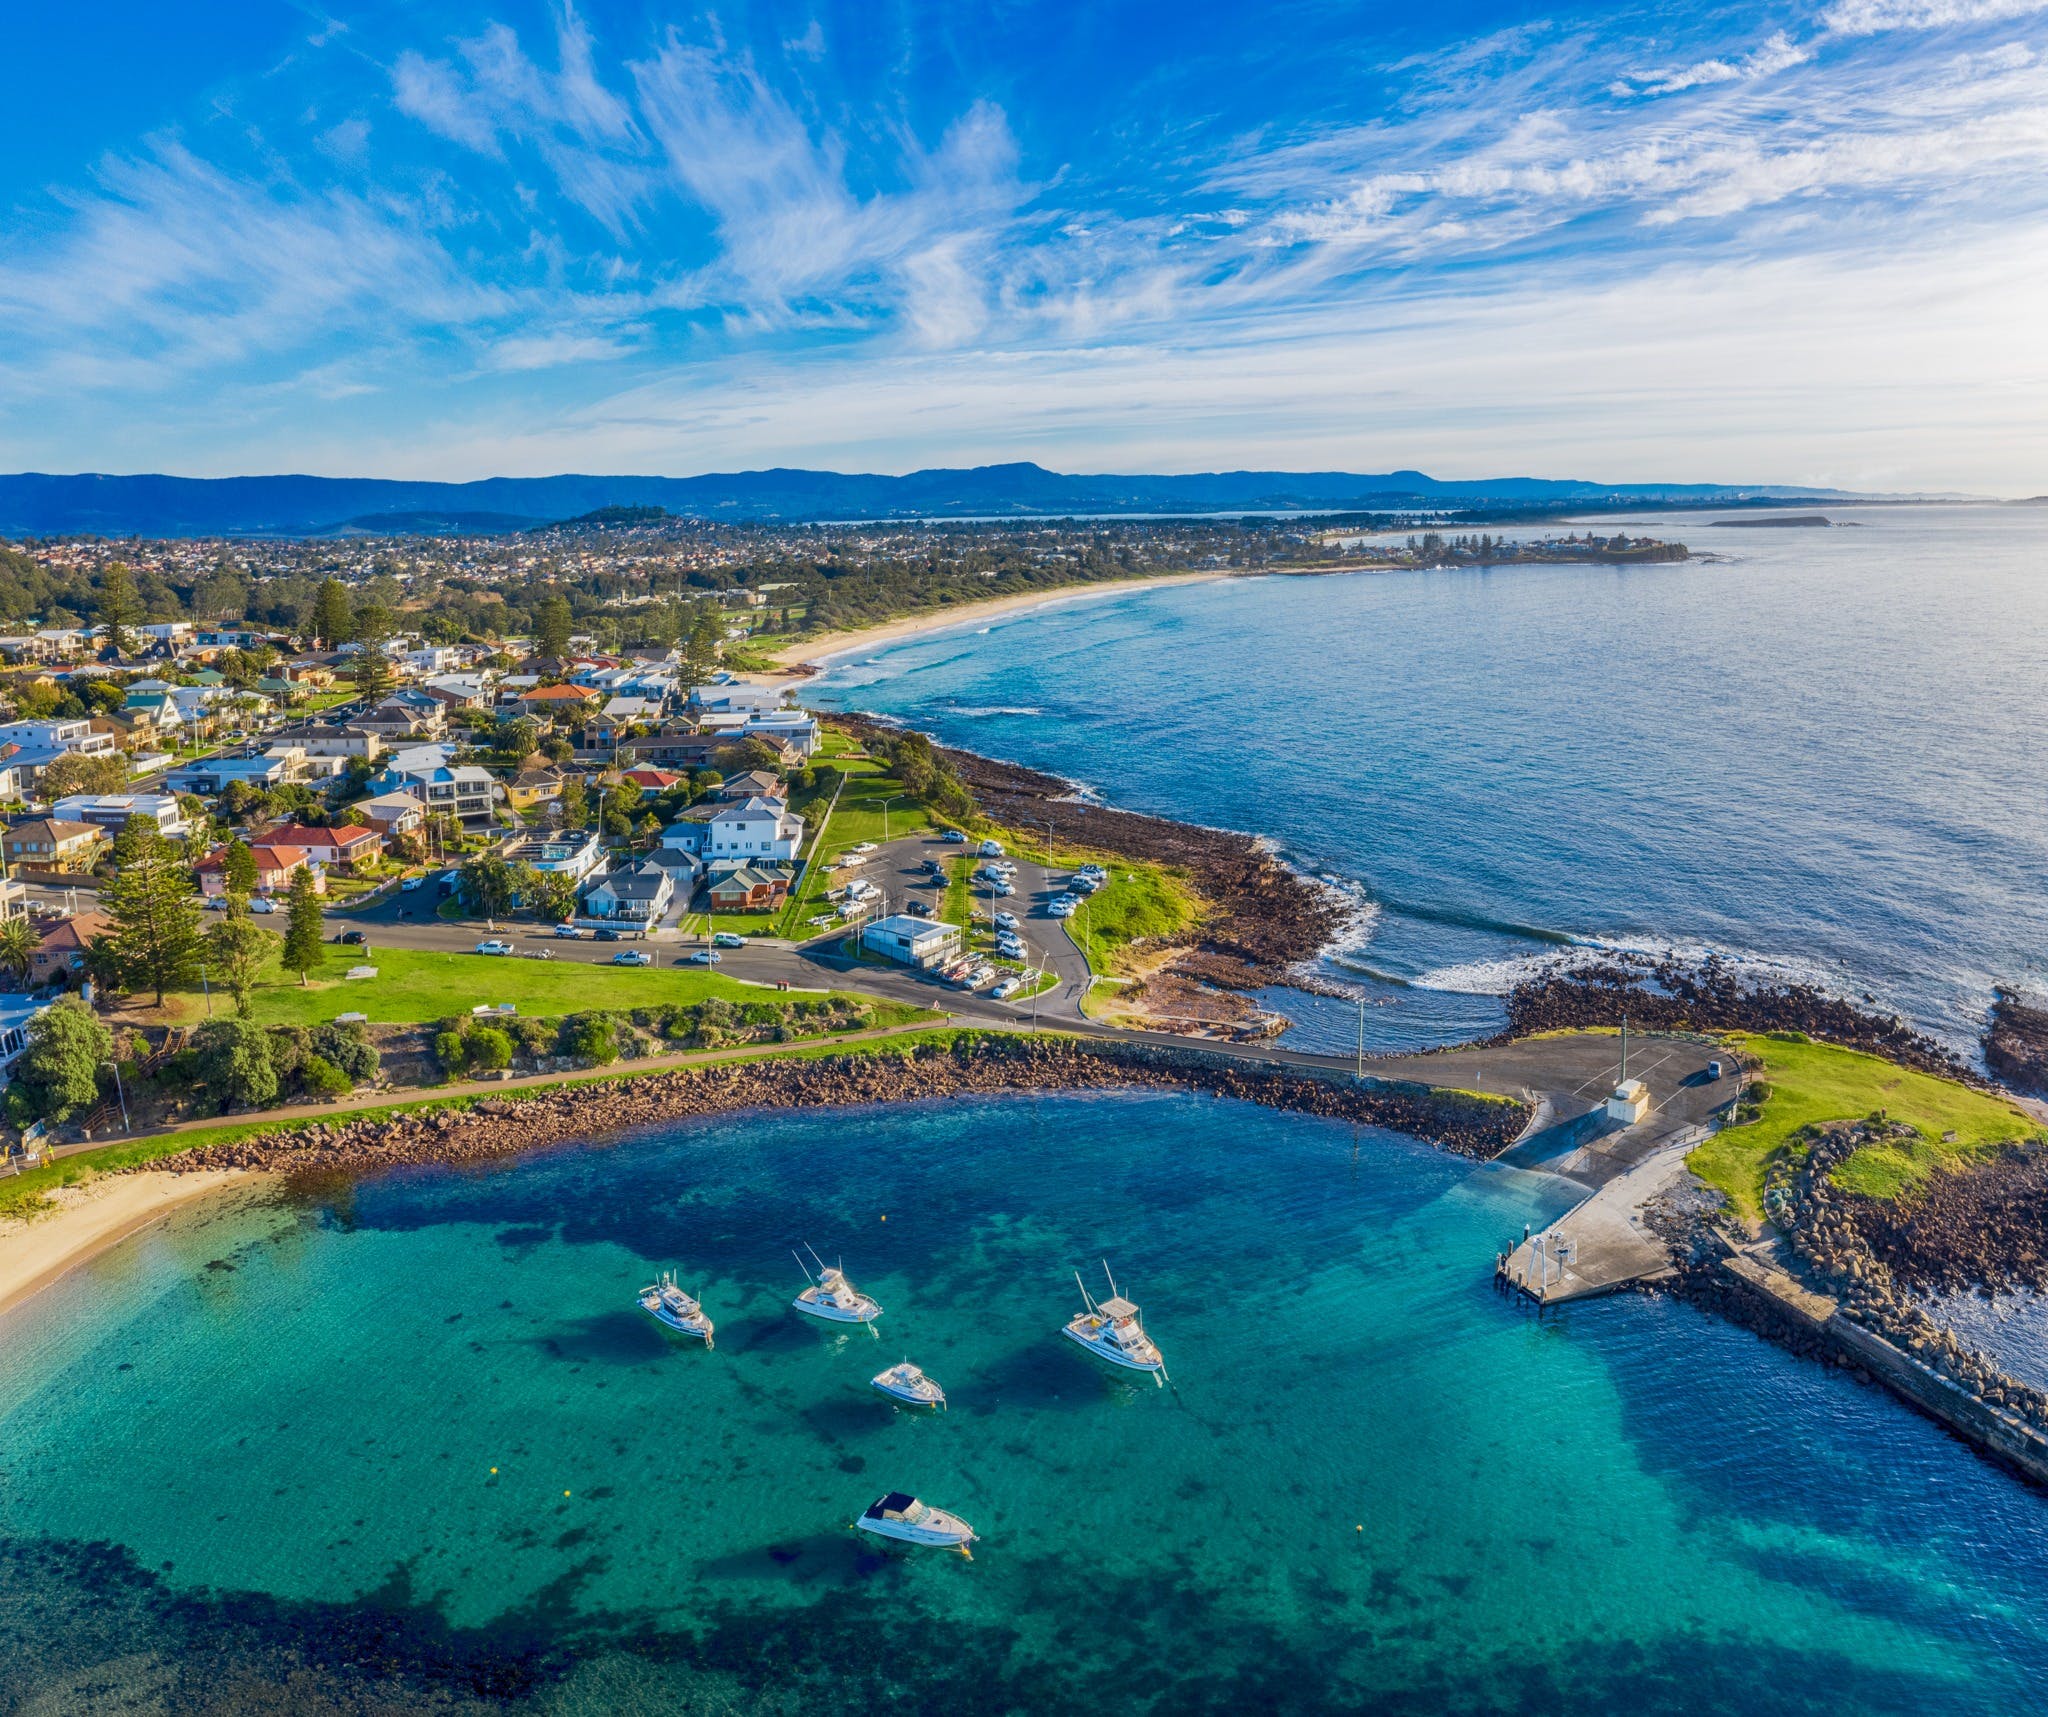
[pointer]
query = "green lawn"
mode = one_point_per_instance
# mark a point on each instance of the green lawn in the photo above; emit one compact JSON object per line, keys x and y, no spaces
{"x":413,"y":986}
{"x":1140,"y":901}
{"x":1811,"y":1082}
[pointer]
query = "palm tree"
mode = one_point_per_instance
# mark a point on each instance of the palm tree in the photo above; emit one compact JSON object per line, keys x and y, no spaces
{"x":18,"y":943}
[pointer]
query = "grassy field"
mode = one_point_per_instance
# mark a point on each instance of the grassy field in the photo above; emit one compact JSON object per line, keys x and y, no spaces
{"x":1140,"y":901}
{"x":863,"y":813}
{"x":1811,"y":1082}
{"x":414,"y":985}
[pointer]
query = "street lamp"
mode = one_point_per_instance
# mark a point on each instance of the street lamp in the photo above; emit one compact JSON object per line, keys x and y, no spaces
{"x":886,"y":803}
{"x":119,"y":1092}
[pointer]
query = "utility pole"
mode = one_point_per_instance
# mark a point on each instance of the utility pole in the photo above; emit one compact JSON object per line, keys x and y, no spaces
{"x":1360,"y":1073}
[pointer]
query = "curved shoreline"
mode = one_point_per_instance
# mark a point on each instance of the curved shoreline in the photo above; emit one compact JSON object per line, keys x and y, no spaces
{"x":37,"y":1251}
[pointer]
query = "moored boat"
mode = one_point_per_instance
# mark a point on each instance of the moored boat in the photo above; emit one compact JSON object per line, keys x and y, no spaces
{"x":902,"y":1517}
{"x":667,"y":1304}
{"x":908,"y":1384}
{"x":1111,"y":1331}
{"x":836,"y":1300}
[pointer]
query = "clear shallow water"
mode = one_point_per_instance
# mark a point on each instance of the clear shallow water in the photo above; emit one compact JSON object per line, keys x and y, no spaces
{"x":1819,"y":752}
{"x":252,"y":1449}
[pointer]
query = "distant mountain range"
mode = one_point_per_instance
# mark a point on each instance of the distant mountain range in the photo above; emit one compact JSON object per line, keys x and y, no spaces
{"x":35,"y":504}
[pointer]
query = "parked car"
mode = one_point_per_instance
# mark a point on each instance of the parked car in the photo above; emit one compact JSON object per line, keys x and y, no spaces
{"x":216,"y":903}
{"x":862,"y":847}
{"x":954,"y":838}
{"x":1002,"y":891}
{"x":728,"y":939}
{"x":602,"y":934}
{"x":568,"y":932}
{"x":700,"y":957}
{"x":1007,"y":988}
{"x":1006,"y":921}
{"x":410,"y":883}
{"x":351,"y":938}
{"x":260,"y":904}
{"x":936,"y":867}
{"x":494,"y":947}
{"x":632,"y":957}
{"x":990,"y":849}
{"x":1063,"y":908}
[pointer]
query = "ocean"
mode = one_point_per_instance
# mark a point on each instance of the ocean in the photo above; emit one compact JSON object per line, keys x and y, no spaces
{"x":1816,"y":752}
{"x":409,"y":1445}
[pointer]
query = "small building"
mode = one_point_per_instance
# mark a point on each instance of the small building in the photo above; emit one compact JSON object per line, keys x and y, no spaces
{"x":344,"y":843}
{"x":394,"y":814}
{"x":652,"y":780}
{"x":15,"y":1013}
{"x":275,"y":868}
{"x":216,"y":774}
{"x":1629,"y":1102}
{"x":752,"y":830}
{"x":554,"y":703}
{"x":44,"y":843}
{"x":754,"y":784}
{"x":921,"y":942}
{"x":573,"y":855}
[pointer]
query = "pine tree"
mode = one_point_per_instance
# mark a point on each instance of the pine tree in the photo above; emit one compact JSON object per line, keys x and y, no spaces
{"x":155,"y":935}
{"x":239,"y":866}
{"x":334,"y":621}
{"x":551,"y":627}
{"x":303,"y":946}
{"x":119,"y":607}
{"x":700,"y":650}
{"x":374,"y":678}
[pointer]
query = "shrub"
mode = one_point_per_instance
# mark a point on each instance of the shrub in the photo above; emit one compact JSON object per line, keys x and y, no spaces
{"x":591,"y":1038}
{"x":235,"y":1062}
{"x":535,"y":1036}
{"x":489,"y":1049}
{"x":60,"y":1067}
{"x":321,"y":1078}
{"x":349,"y":1048}
{"x":450,"y":1052}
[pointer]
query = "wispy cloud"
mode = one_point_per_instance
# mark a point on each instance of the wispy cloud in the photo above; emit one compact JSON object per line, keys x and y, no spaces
{"x":1871,"y":17}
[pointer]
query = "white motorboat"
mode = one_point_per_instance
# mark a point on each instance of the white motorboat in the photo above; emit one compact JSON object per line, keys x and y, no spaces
{"x":832,"y":1297}
{"x":906,"y":1383}
{"x":904,"y":1517}
{"x":667,"y":1304}
{"x":1110,"y":1330}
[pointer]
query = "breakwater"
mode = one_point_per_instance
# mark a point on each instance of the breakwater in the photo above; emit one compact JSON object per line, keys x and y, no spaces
{"x":971,"y":1064}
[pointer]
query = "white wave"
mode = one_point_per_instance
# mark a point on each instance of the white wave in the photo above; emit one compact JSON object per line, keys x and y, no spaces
{"x":973,"y":711}
{"x":1497,"y":976}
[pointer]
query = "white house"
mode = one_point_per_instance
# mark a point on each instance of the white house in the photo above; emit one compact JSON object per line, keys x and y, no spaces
{"x":746,"y":833}
{"x":567,"y":854}
{"x":111,"y":810}
{"x":75,"y":734}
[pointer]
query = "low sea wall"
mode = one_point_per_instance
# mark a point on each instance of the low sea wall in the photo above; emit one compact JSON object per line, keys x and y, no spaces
{"x":974,"y":1064}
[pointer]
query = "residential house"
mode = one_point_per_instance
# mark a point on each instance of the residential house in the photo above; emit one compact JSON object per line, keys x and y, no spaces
{"x":754,"y":784}
{"x":639,"y":892}
{"x":677,"y":749}
{"x":751,"y":888}
{"x":214,"y":775}
{"x":653,"y":780}
{"x":322,"y":739}
{"x":625,"y":711}
{"x":393,"y":814}
{"x":112,"y":810}
{"x":459,"y":691}
{"x":45,"y":844}
{"x":466,"y":791}
{"x":15,"y":1013}
{"x":344,"y":843}
{"x":535,"y":786}
{"x":430,"y":659}
{"x":26,"y":648}
{"x":407,"y":713}
{"x":753,"y":830}
{"x":61,"y":950}
{"x":276,"y":866}
{"x":75,"y":733}
{"x":573,"y":853}
{"x":554,"y":703}
{"x":793,"y":728}
{"x":735,"y":698}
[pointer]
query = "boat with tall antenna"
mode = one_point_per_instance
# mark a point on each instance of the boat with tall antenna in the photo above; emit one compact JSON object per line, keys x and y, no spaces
{"x":1110,"y":1330}
{"x":667,"y":1304}
{"x":908,"y":1384}
{"x":832,"y":1297}
{"x":901,"y":1516}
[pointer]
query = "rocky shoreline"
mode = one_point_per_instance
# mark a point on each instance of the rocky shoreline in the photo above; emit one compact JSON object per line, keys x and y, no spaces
{"x":1669,"y":994}
{"x":972,"y":1065}
{"x":2016,"y":1042}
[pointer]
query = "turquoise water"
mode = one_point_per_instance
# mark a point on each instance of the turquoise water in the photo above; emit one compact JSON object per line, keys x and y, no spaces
{"x":252,"y":1450}
{"x":1818,"y":753}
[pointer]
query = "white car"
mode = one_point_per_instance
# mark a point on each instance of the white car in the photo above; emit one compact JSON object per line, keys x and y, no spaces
{"x":260,"y":904}
{"x":954,"y":838}
{"x":1006,"y":921}
{"x":990,"y":849}
{"x":863,"y":847}
{"x":494,"y":947}
{"x":728,"y":939}
{"x":1063,"y":909}
{"x":568,"y":932}
{"x":410,"y":883}
{"x":1007,"y":988}
{"x":1002,"y":891}
{"x":632,"y":957}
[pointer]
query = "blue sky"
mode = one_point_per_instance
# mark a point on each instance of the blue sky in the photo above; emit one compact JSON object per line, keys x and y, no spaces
{"x":1740,"y":243}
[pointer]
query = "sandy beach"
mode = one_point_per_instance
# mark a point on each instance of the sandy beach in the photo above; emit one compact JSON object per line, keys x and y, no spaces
{"x":884,"y":633}
{"x":88,"y":1219}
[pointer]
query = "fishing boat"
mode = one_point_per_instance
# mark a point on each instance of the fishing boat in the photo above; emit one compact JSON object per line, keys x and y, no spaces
{"x":1110,"y":1330}
{"x":667,"y":1304}
{"x":906,"y":1383}
{"x":832,"y":1297}
{"x":903,"y":1517}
